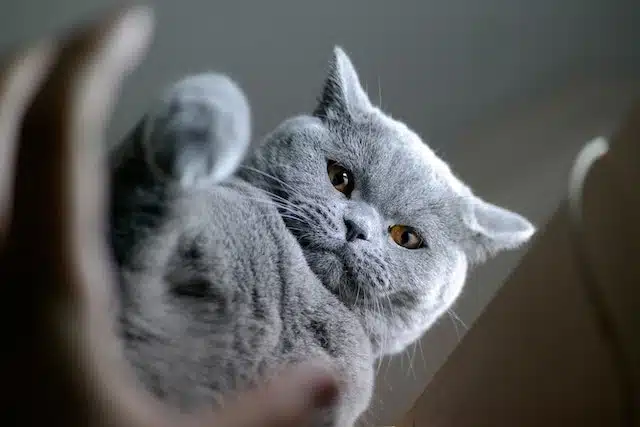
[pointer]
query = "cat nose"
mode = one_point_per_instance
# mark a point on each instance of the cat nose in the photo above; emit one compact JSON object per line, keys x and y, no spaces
{"x":355,"y":230}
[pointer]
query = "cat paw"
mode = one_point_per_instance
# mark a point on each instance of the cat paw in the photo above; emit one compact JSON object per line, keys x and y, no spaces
{"x":200,"y":131}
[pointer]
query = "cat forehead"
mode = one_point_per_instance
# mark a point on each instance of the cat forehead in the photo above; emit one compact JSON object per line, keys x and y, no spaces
{"x":401,"y":155}
{"x":398,"y":172}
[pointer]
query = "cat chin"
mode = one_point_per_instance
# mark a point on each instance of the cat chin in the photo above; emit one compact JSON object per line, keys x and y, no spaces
{"x":399,"y":346}
{"x":393,"y":348}
{"x":394,"y":339}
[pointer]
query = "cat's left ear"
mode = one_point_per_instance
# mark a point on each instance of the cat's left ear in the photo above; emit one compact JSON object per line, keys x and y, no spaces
{"x":494,"y":229}
{"x":342,"y":95}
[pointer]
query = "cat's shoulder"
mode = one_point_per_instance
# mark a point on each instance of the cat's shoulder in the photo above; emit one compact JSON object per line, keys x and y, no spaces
{"x":232,"y":203}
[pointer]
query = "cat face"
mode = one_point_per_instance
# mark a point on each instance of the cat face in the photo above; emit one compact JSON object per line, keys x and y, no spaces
{"x":383,"y":221}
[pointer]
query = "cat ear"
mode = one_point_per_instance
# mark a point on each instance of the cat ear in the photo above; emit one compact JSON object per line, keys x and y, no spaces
{"x":494,"y":229}
{"x":342,"y":95}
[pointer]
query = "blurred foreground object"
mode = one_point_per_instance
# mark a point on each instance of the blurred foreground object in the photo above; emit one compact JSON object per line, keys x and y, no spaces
{"x":558,"y":345}
{"x":62,"y":363}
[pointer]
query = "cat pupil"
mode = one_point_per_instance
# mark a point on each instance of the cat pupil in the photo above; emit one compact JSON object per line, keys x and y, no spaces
{"x":340,"y":179}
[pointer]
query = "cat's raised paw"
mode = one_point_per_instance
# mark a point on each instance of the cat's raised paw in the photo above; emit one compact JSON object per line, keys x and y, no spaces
{"x":200,"y":130}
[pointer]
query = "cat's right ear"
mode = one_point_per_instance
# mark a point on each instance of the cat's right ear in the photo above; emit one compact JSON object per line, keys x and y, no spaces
{"x":342,"y":96}
{"x":493,"y":229}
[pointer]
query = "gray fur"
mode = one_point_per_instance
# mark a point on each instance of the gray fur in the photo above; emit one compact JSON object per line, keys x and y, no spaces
{"x":226,"y":280}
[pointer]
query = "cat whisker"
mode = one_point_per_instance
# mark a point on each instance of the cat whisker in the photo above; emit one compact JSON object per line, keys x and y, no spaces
{"x":424,"y":361}
{"x":265,"y":202}
{"x":378,"y":366}
{"x":283,"y":204}
{"x":358,"y":295}
{"x":410,"y":352}
{"x":455,"y":315}
{"x":277,"y":183}
{"x":269,"y":176}
{"x":295,"y":214}
{"x":455,"y":325}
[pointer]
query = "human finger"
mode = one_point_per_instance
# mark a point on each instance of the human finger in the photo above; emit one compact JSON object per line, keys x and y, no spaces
{"x":20,"y":77}
{"x":60,"y":170}
{"x":291,"y":400}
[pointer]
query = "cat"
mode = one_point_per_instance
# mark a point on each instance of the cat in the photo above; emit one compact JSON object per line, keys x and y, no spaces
{"x":340,"y":236}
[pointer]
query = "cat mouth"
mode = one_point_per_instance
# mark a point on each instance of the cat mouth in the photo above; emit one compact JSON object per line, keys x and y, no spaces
{"x":331,"y":260}
{"x":324,"y":252}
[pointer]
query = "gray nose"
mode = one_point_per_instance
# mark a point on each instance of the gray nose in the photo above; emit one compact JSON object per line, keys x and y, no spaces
{"x":355,"y":230}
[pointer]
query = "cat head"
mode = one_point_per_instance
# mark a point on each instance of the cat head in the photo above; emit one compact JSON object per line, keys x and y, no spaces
{"x":383,"y":222}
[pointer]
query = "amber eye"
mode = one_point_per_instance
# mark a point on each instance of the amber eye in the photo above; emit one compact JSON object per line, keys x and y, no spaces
{"x":341,"y":179}
{"x":406,"y":236}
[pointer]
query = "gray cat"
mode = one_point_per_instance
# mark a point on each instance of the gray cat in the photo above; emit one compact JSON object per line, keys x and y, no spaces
{"x":341,"y":237}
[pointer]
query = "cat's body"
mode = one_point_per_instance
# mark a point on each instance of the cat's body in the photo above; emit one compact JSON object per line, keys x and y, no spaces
{"x":237,"y":303}
{"x":342,"y":237}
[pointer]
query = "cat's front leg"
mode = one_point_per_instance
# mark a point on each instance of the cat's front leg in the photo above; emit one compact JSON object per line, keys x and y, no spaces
{"x":200,"y":130}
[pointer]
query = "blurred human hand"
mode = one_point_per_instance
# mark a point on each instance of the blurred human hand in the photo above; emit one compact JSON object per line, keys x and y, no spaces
{"x":63,"y":362}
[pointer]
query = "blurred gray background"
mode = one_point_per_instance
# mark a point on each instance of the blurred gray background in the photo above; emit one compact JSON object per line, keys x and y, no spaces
{"x":506,"y":91}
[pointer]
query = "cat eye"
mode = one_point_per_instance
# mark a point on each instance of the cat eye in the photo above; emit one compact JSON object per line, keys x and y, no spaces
{"x":406,"y":236}
{"x":341,"y":179}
